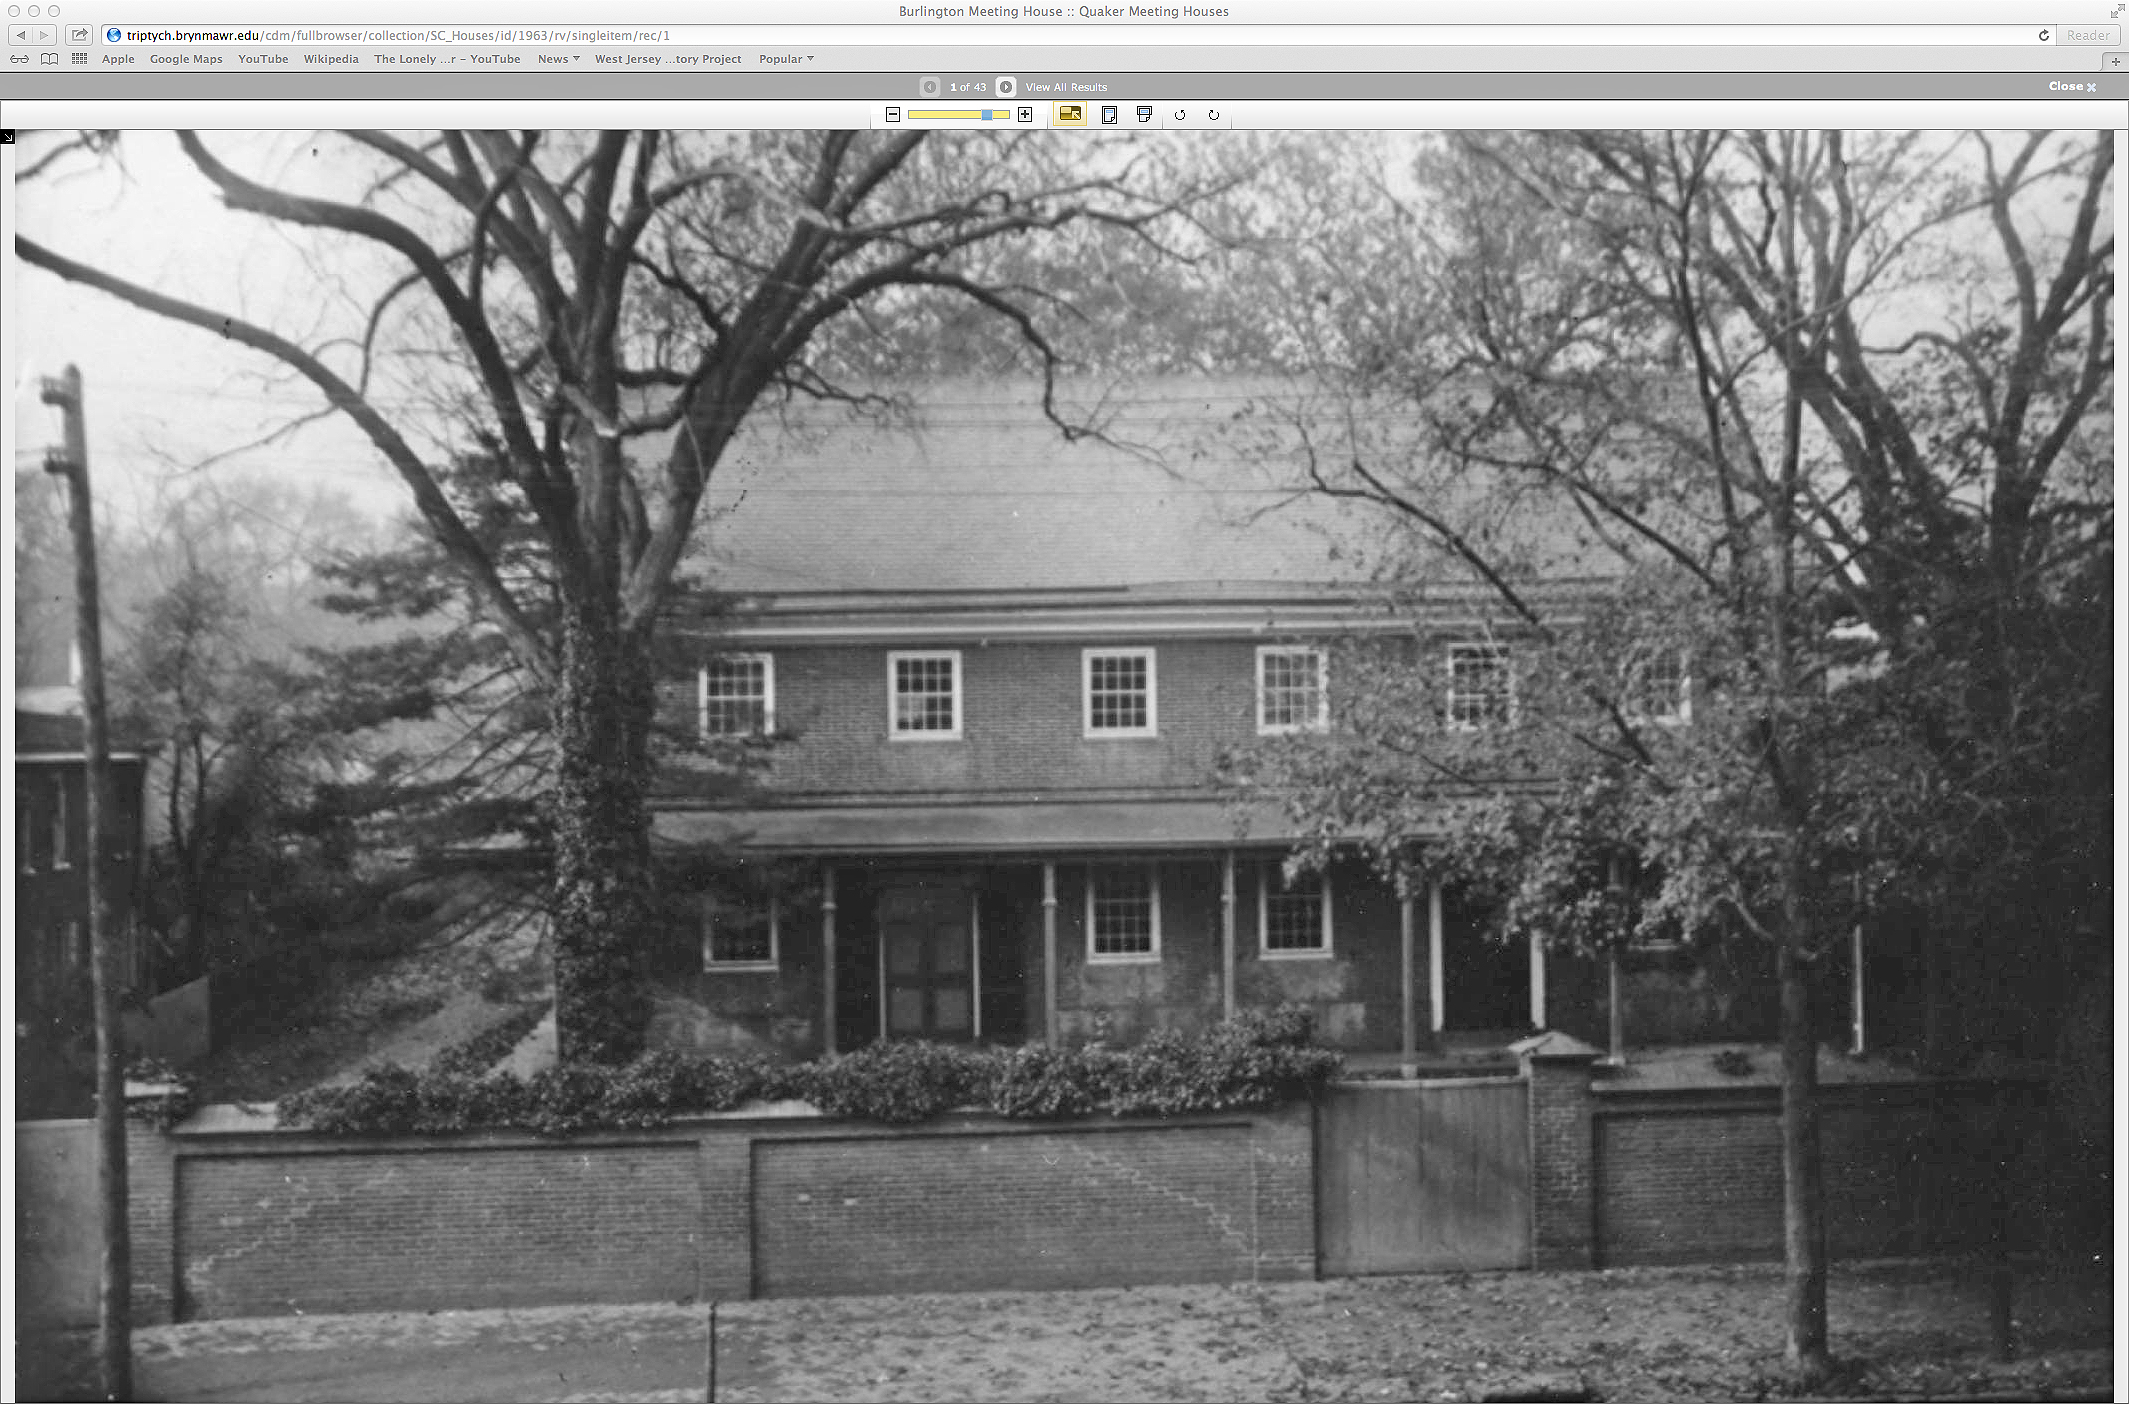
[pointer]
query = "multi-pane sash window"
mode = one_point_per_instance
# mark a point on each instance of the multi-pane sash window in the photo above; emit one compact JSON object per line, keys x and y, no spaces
{"x":1658,"y":689}
{"x":739,"y":935}
{"x":738,"y":695}
{"x":1293,"y":917}
{"x":1290,"y":691}
{"x":924,"y":692}
{"x":1120,"y":692}
{"x":1481,"y":686}
{"x":1123,"y":912}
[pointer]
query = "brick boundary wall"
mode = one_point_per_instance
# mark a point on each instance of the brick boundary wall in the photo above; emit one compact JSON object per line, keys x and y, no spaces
{"x":1696,"y":1176}
{"x":234,"y":1218}
{"x":1563,"y":1177}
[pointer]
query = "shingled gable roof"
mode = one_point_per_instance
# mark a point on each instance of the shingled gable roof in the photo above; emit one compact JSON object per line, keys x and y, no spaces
{"x":976,"y":490}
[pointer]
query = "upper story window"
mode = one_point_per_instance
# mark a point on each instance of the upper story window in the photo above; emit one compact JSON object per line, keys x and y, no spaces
{"x":1481,"y":686}
{"x":740,"y":935}
{"x":1293,"y":918}
{"x":1658,"y":689}
{"x":924,"y":696}
{"x":737,"y":695}
{"x":1291,"y":695}
{"x":1123,"y":912}
{"x":1120,"y":692}
{"x":25,"y":816}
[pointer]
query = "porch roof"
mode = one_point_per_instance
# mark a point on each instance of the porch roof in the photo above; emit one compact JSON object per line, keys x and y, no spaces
{"x":988,"y":828}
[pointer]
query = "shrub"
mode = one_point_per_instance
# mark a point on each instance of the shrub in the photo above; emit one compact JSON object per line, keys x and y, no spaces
{"x":169,"y":1106}
{"x":899,"y":1082}
{"x":1250,"y":1063}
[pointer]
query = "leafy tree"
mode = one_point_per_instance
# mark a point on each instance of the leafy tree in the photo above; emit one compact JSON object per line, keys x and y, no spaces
{"x":1816,"y":410}
{"x":213,"y":624}
{"x":550,"y":302}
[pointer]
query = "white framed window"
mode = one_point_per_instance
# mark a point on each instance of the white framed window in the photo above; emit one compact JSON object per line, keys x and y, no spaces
{"x":1120,"y":692}
{"x":924,"y":696}
{"x":1291,"y":692}
{"x":1658,"y":689}
{"x":740,"y":935}
{"x":1293,"y":919}
{"x":62,"y":856}
{"x":1481,"y":686}
{"x":736,"y":695}
{"x":1123,"y":913}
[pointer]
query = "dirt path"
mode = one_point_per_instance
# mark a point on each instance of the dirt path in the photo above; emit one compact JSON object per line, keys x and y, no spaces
{"x":1648,"y":1334}
{"x":1651,"y":1334}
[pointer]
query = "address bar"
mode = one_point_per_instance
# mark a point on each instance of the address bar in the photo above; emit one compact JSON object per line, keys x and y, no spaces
{"x":920,"y":31}
{"x":389,"y":34}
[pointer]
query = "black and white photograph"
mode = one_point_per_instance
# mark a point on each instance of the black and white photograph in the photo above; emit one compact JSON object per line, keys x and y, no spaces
{"x":1338,"y":766}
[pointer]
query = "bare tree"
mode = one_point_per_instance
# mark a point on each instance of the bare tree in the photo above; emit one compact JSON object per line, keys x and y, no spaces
{"x":562,"y":301}
{"x":1823,"y":403}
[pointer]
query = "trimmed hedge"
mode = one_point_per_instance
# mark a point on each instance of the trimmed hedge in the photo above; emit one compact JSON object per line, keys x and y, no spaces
{"x":1250,"y":1063}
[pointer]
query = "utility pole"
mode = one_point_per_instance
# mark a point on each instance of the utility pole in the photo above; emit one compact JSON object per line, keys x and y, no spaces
{"x":70,"y":460}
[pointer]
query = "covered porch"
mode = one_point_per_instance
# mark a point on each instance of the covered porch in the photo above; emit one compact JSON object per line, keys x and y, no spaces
{"x":983,"y":924}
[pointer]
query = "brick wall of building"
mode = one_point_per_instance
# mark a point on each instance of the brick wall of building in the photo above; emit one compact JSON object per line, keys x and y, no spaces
{"x":1022,"y":721}
{"x":261,"y":1222}
{"x":775,"y":1012}
{"x":1356,"y":993}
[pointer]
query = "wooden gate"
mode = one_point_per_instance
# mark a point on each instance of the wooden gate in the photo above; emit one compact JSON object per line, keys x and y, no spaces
{"x":1423,"y":1176}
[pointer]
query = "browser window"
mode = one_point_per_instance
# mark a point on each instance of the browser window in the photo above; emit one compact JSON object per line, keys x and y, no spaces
{"x":852,"y":523}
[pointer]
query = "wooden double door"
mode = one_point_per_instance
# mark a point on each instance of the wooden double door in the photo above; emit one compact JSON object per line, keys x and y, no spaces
{"x":928,"y":967}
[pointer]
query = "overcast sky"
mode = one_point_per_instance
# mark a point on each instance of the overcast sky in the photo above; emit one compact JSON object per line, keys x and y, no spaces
{"x":161,"y":396}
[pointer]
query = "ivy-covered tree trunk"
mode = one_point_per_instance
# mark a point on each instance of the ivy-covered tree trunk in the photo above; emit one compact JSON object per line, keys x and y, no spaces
{"x":601,"y":829}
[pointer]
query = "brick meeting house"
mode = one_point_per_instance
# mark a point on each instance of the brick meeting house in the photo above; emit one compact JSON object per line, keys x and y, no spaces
{"x":990,"y":672}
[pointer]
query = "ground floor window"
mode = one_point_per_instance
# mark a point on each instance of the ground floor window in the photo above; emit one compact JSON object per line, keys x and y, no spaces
{"x":1123,"y":911}
{"x":739,"y":934}
{"x":1293,"y":917}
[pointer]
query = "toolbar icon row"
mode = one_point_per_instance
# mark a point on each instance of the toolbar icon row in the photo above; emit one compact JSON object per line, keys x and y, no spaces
{"x":1066,"y":114}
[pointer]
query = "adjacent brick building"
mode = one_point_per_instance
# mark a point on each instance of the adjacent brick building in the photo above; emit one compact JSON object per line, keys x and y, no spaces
{"x":54,"y":1027}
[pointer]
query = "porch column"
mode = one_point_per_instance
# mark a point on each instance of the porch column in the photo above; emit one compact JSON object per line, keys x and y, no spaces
{"x":1227,"y":935}
{"x":1408,"y":978}
{"x":1049,"y":953}
{"x":1618,"y":1019}
{"x":975,"y":964}
{"x":1537,"y":980}
{"x":1855,"y":992}
{"x":828,"y":958}
{"x":1437,"y":1014}
{"x":1616,"y":874}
